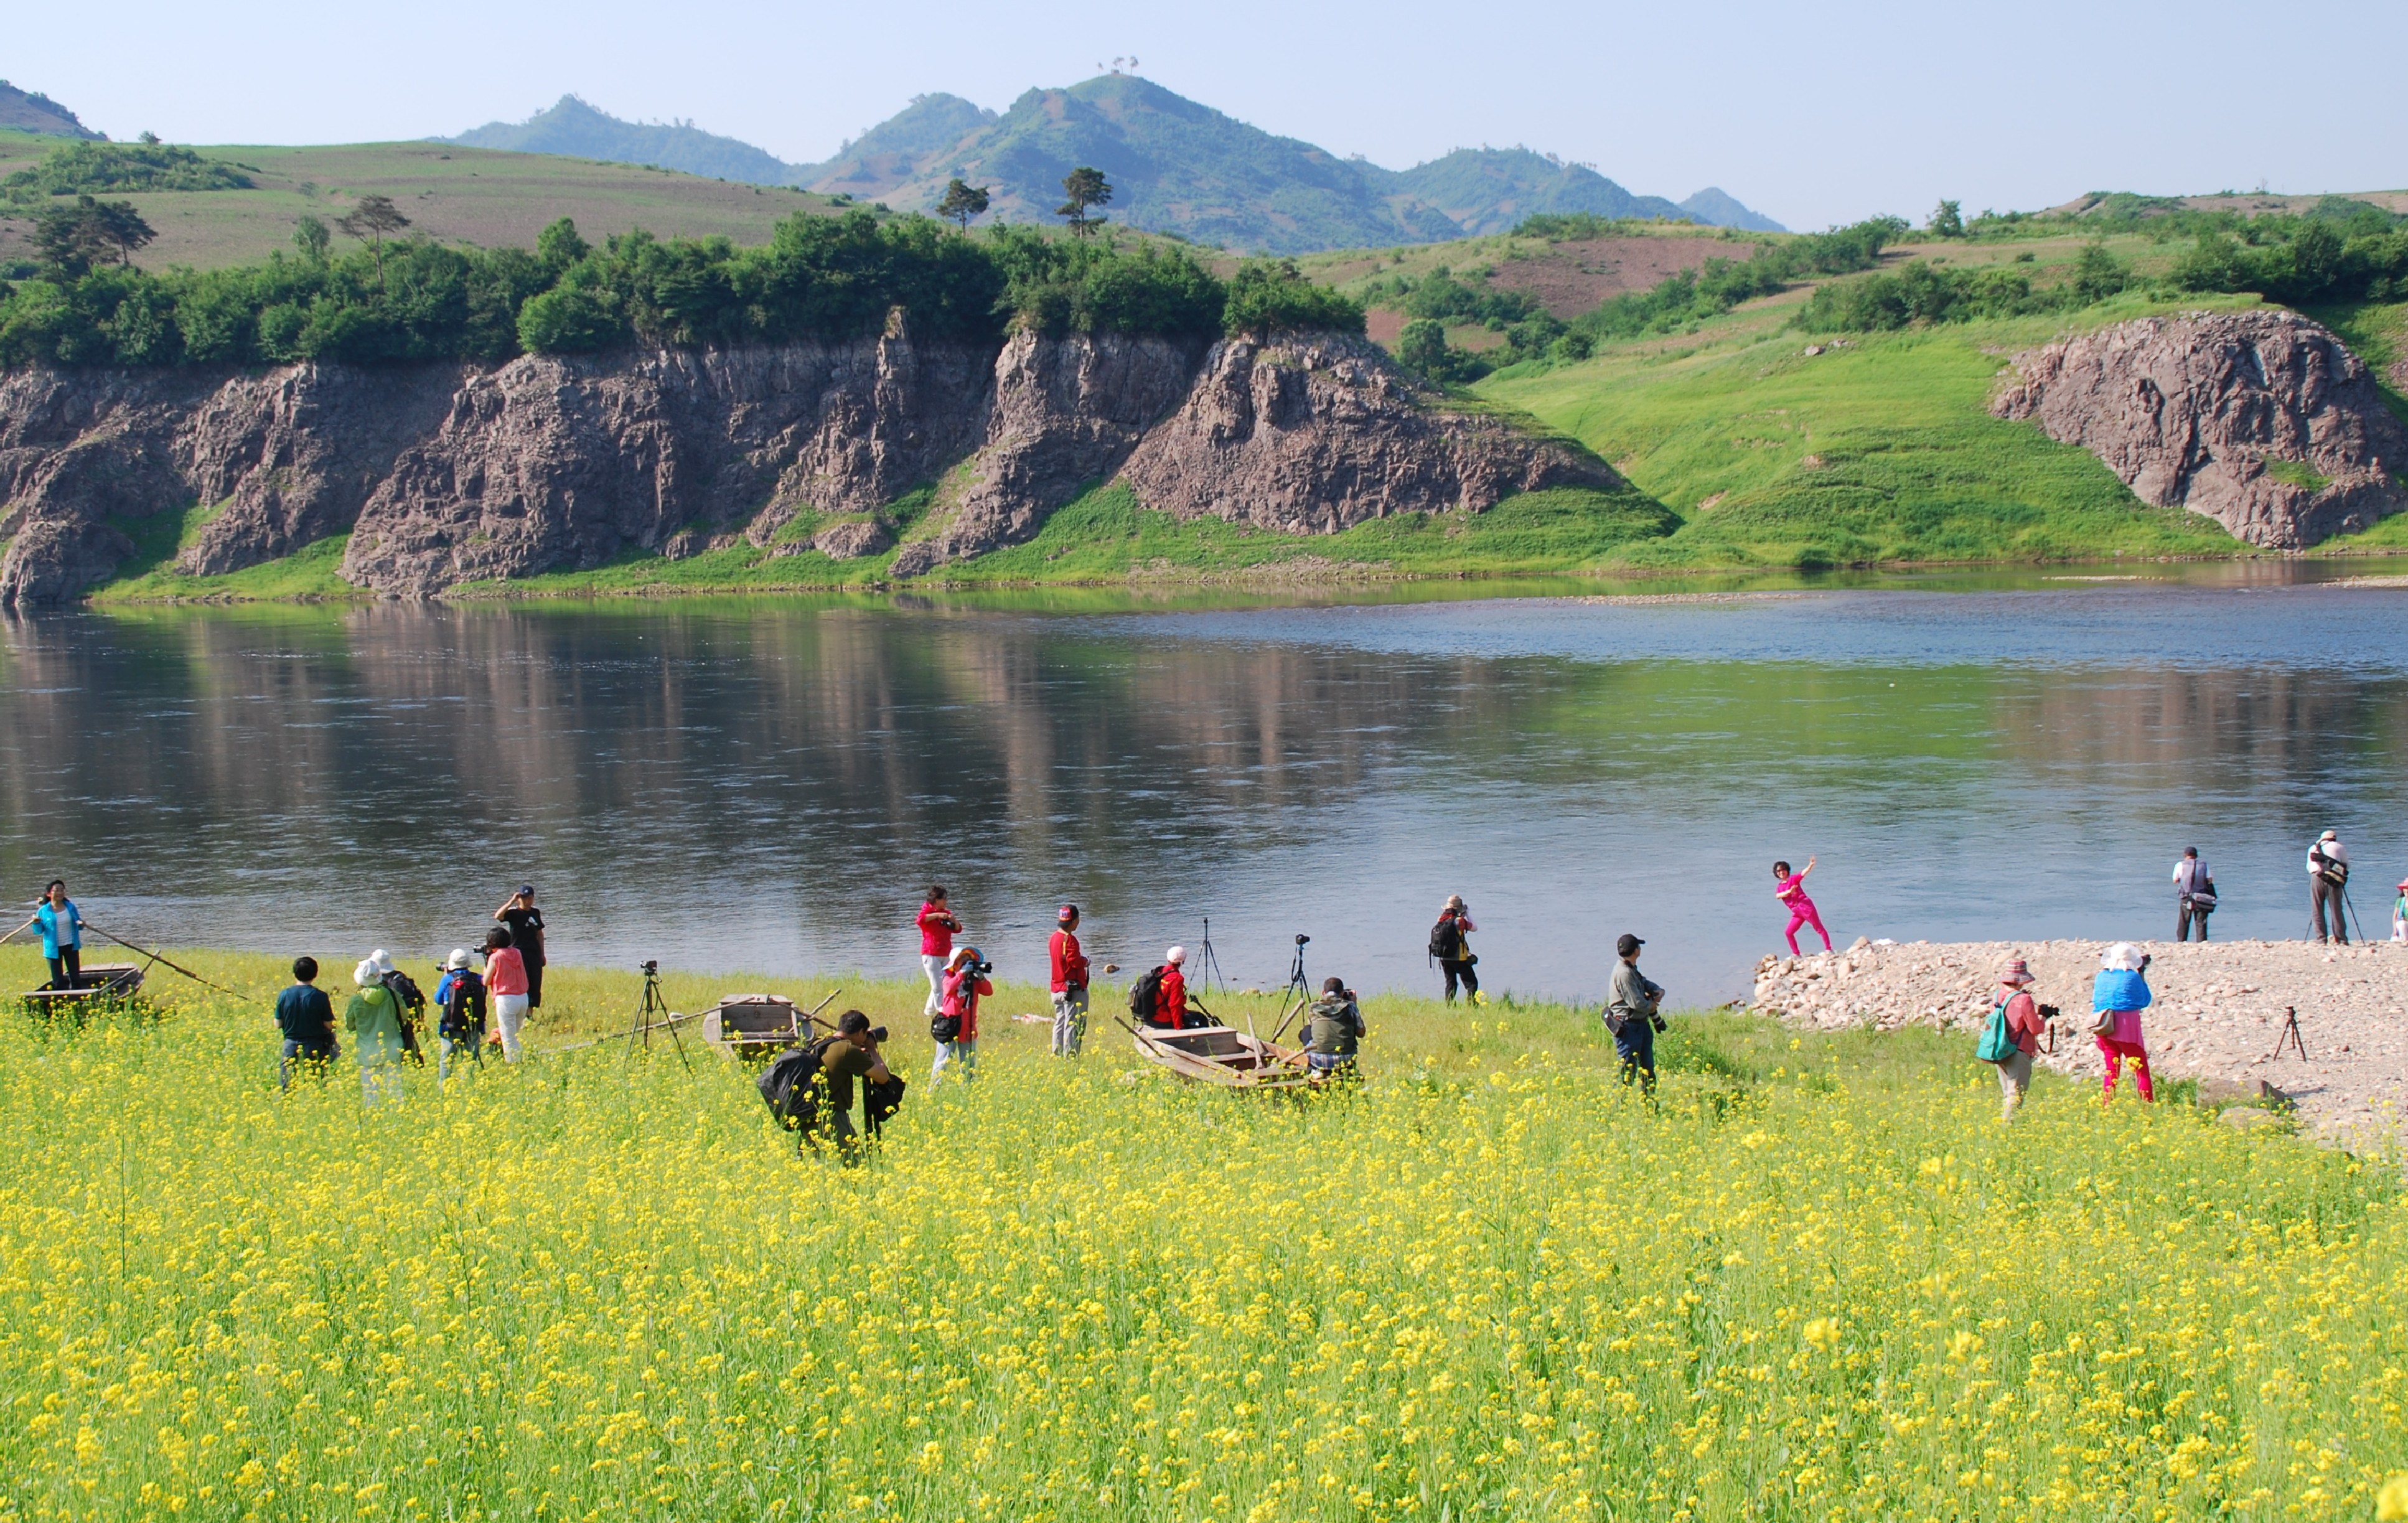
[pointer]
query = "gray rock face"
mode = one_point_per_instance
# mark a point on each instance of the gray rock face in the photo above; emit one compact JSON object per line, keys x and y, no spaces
{"x":1066,"y":413}
{"x":553,"y":463}
{"x":1314,"y":434}
{"x":2192,"y":411}
{"x":446,"y":474}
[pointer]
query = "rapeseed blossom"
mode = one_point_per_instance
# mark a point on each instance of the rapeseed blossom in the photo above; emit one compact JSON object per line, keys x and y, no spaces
{"x":1498,"y":1285}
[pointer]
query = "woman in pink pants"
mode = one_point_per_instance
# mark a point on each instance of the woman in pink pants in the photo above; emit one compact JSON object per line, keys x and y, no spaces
{"x":1791,"y":888}
{"x":2118,"y":996}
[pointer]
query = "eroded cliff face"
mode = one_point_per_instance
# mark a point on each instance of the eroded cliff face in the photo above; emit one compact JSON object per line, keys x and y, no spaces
{"x":2213,"y":411}
{"x":1314,"y":434}
{"x":448,"y":474}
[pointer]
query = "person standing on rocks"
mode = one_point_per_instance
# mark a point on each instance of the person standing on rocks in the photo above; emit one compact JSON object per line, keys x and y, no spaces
{"x":2195,"y":895}
{"x":2025,"y":1024}
{"x":2117,"y":997}
{"x":1790,"y":889}
{"x":2327,"y":875}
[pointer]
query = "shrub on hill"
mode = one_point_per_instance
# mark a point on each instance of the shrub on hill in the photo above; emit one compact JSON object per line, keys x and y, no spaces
{"x":90,"y":169}
{"x":1267,"y":295}
{"x":2306,"y":259}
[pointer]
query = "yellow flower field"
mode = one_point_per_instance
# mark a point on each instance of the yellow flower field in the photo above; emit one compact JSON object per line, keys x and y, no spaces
{"x":1820,"y":1281}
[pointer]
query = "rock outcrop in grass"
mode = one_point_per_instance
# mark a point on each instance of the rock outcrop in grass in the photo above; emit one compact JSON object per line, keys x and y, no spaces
{"x":2263,"y":421}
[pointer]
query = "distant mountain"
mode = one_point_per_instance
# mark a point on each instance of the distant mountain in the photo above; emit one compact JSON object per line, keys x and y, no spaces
{"x":1718,"y":206}
{"x":37,"y":113}
{"x":896,"y":150}
{"x":573,"y":128}
{"x":1175,"y":167}
{"x":1488,"y":190}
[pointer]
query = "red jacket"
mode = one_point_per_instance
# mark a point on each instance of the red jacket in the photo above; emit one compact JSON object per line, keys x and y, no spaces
{"x":1170,"y":1006}
{"x":962,"y":991}
{"x":1069,"y":963}
{"x":936,"y":931}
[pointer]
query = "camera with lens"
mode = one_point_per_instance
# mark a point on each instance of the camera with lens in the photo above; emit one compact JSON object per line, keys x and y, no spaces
{"x":1301,"y":940}
{"x":650,"y":969}
{"x":878,"y":1033}
{"x":981,"y":968}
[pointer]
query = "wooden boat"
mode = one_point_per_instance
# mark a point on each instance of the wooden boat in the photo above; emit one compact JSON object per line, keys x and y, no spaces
{"x":1219,"y":1055}
{"x":104,"y":982}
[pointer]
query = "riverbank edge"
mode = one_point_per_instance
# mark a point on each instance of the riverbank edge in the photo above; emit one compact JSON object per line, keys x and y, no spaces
{"x":1265,"y":580}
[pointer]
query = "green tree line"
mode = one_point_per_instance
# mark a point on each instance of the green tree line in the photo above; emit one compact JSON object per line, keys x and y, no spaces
{"x":818,"y":277}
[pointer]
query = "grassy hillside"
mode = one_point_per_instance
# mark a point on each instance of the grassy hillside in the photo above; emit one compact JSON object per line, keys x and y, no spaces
{"x":1880,"y":450}
{"x":450,"y":194}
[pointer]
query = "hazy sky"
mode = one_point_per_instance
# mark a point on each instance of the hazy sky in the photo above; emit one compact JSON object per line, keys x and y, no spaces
{"x":1814,"y":115}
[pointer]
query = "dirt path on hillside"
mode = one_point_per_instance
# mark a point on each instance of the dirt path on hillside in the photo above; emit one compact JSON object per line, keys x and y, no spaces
{"x":2219,"y":1010}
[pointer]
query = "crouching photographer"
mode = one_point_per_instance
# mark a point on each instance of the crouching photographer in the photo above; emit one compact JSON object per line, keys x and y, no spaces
{"x":809,"y":1088}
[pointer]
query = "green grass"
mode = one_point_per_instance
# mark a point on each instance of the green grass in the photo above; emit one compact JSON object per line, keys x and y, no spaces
{"x":1881,"y":451}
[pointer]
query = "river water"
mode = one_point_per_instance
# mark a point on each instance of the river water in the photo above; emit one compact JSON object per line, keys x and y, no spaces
{"x":765,"y":784}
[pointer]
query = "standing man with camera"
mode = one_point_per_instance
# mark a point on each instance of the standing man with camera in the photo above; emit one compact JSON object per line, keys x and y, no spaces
{"x":525,"y":923}
{"x":1631,"y":1013}
{"x":1069,"y":966}
{"x":2327,"y":879}
{"x":2197,"y":892}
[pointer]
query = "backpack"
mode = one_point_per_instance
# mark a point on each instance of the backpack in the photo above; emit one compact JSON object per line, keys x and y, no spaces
{"x":1146,"y":994}
{"x":788,"y":1085}
{"x":1446,"y":940}
{"x":1998,"y":1042}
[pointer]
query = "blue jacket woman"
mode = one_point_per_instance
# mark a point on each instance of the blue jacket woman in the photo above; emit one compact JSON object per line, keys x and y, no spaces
{"x":62,"y":927}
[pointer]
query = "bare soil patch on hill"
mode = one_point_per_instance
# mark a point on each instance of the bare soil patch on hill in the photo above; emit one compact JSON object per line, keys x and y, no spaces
{"x":1570,"y":278}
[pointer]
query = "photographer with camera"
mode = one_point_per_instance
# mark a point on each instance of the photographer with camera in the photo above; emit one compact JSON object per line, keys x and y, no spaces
{"x":1333,"y":1034}
{"x":506,"y":980}
{"x":525,"y":924}
{"x":2328,"y":881}
{"x":1631,"y":1015}
{"x":937,"y":927}
{"x":809,"y":1088}
{"x":954,"y":1026}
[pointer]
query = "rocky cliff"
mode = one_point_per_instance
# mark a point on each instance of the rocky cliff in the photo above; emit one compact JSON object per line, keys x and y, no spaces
{"x":446,"y":474}
{"x":2263,"y":421}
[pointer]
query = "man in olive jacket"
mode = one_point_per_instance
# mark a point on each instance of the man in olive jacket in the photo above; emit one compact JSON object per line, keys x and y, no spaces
{"x":1630,"y":1013}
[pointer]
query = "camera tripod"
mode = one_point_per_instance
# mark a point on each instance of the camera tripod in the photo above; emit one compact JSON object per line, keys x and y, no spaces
{"x":2290,"y":1036}
{"x":652,"y":1005}
{"x":1208,"y":967}
{"x":1297,"y":985}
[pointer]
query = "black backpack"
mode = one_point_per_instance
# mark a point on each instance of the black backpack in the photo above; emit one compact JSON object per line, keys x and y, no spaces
{"x":1446,"y":940}
{"x":789,"y":1085}
{"x":1146,"y":994}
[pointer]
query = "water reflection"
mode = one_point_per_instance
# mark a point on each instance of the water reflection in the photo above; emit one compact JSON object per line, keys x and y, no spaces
{"x":768,"y":784}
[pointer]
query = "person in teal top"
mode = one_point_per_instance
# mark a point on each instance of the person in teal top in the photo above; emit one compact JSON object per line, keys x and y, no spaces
{"x":374,"y":1019}
{"x":62,"y":927}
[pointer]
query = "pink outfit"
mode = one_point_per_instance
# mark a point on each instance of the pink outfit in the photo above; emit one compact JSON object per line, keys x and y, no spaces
{"x":2116,"y":1051}
{"x":505,"y":971}
{"x":1791,"y":891}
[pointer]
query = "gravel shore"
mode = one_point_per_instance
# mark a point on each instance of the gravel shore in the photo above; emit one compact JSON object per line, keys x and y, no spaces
{"x":2219,"y":1010}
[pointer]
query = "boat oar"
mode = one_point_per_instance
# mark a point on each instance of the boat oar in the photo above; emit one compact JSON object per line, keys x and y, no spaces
{"x":162,"y":961}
